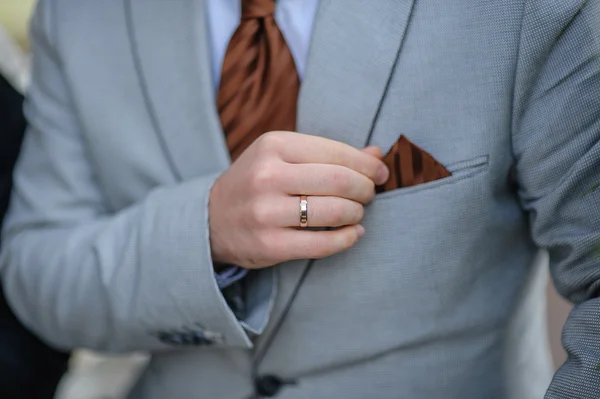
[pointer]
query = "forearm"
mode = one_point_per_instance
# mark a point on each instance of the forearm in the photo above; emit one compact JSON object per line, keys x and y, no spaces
{"x":116,"y":282}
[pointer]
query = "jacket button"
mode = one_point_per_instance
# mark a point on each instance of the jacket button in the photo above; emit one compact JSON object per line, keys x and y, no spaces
{"x":269,"y":385}
{"x":189,"y":338}
{"x":211,"y":337}
{"x":171,"y":338}
{"x":198,"y":338}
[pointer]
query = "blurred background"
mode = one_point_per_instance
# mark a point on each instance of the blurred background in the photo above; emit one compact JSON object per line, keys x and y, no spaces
{"x":93,"y":376}
{"x":14,"y":15}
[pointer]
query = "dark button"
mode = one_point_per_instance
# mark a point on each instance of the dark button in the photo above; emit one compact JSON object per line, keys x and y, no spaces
{"x":198,"y":338}
{"x":195,"y":338}
{"x":170,"y":338}
{"x":269,"y":385}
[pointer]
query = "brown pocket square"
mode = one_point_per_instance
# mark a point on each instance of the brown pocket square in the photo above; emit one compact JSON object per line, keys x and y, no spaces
{"x":409,"y":165}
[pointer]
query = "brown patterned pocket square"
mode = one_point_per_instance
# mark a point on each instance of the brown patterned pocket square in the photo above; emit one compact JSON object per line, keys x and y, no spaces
{"x":409,"y":165}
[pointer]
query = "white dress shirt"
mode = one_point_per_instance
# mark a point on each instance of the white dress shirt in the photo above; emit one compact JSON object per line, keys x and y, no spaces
{"x":294,"y":17}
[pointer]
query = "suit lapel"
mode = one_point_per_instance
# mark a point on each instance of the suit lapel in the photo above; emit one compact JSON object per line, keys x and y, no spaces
{"x":170,"y":44}
{"x":354,"y":48}
{"x":355,"y":44}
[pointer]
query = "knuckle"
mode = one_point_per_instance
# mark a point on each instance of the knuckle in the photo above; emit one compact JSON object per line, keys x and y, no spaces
{"x":337,"y":213}
{"x":373,"y":169}
{"x":340,"y":180}
{"x":358,"y":213}
{"x":371,"y":185}
{"x":269,"y":142}
{"x":260,"y":213}
{"x":264,"y":176}
{"x":370,"y":193}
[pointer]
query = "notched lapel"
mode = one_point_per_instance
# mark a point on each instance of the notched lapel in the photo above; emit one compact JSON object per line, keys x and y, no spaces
{"x":169,"y":43}
{"x":354,"y":47}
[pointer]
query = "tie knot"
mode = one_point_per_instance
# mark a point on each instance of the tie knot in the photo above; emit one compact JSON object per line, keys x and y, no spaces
{"x":257,"y":8}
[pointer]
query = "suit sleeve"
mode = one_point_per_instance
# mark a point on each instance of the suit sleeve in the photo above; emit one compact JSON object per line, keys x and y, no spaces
{"x":81,"y":275}
{"x":557,"y":150}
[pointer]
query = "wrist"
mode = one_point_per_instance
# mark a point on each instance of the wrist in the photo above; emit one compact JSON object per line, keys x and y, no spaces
{"x":218,"y":253}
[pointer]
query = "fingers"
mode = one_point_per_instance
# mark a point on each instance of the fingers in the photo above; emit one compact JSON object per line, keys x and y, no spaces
{"x":327,"y":180}
{"x":373,"y":151}
{"x":302,"y":244}
{"x":322,"y":212}
{"x":305,"y":149}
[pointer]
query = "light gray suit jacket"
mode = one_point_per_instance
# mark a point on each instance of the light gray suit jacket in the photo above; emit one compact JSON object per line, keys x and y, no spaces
{"x":107,"y":245}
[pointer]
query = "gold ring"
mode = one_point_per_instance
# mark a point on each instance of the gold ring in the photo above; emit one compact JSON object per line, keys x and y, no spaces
{"x":303,"y":211}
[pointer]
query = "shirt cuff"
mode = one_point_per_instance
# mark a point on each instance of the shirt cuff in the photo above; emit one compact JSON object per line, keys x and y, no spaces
{"x":229,"y":276}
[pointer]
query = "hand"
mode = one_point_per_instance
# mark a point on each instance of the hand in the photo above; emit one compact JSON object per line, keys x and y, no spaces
{"x":254,"y":209}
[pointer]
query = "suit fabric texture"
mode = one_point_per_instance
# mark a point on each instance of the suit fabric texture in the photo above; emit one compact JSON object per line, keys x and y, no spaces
{"x":444,"y":295}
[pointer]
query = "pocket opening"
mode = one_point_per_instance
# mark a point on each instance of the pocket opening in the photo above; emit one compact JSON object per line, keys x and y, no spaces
{"x":460,"y":170}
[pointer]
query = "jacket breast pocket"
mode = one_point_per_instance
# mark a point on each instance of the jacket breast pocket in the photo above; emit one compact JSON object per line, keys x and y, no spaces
{"x":460,"y":170}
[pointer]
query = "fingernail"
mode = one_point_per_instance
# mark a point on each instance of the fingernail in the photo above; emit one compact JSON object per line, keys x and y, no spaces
{"x":360,"y":230}
{"x":382,"y":174}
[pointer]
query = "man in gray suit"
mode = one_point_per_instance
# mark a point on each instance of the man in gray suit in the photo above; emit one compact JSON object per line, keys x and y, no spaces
{"x":150,"y":214}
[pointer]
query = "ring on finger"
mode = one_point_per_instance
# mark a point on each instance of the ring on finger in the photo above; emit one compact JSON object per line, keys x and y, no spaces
{"x":303,"y":212}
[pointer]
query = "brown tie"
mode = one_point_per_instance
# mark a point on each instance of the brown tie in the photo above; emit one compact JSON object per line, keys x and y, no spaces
{"x":259,"y":82}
